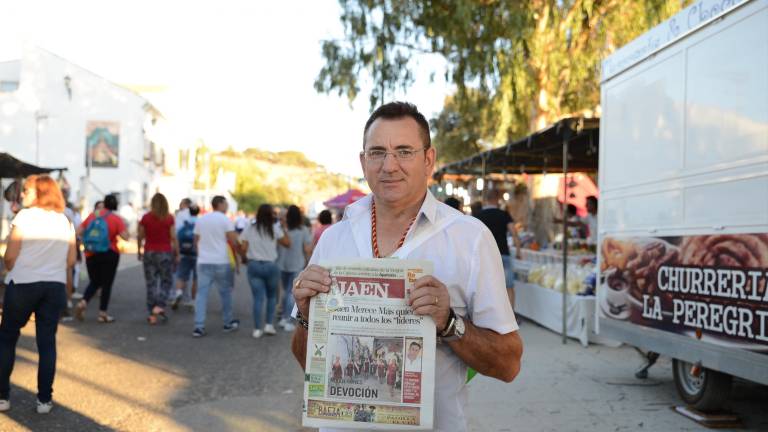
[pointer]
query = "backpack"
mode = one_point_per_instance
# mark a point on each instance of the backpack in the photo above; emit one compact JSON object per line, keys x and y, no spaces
{"x":186,"y":238}
{"x":96,"y":235}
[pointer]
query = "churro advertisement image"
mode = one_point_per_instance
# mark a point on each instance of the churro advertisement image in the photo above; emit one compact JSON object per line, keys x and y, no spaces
{"x":710,"y":287}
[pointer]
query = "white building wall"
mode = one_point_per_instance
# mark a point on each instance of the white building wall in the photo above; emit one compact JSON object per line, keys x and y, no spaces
{"x":62,"y":126}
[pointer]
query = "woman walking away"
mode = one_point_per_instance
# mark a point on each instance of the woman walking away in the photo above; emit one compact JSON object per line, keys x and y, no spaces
{"x":326,"y":220}
{"x":40,"y":252}
{"x":157,"y":235}
{"x":259,"y":246}
{"x":292,"y":260}
{"x":99,"y":232}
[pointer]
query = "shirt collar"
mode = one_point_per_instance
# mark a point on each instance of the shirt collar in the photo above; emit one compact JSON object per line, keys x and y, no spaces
{"x":363,"y":207}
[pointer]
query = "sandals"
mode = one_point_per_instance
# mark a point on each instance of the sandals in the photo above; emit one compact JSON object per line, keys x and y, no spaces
{"x":80,"y":310}
{"x":157,"y":317}
{"x":105,"y":319}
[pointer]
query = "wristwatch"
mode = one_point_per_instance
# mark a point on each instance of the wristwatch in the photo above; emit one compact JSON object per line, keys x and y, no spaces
{"x":455,"y":329}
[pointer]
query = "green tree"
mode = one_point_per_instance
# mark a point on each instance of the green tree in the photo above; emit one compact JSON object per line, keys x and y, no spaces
{"x":535,"y":61}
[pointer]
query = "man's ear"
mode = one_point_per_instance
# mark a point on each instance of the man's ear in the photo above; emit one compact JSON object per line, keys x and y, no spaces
{"x":430,"y":157}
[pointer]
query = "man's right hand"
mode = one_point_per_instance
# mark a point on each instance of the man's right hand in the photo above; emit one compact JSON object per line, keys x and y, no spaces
{"x":311,"y":282}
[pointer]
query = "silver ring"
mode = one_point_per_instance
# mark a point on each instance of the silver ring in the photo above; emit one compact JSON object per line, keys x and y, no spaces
{"x":437,"y":299}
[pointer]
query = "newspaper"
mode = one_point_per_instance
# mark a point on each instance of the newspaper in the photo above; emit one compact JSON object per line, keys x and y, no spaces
{"x":370,"y":360}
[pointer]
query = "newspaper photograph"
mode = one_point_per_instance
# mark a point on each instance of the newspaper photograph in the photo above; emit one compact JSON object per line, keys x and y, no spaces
{"x":369,"y":358}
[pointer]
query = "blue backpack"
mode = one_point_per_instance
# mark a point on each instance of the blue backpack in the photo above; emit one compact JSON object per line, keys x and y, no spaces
{"x":186,"y":238}
{"x":96,"y":235}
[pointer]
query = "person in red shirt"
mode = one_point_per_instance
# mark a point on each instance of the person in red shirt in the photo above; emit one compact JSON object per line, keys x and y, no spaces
{"x":160,"y":254}
{"x":102,"y":265}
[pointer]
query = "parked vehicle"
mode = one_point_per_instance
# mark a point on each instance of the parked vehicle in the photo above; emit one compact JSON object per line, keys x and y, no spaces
{"x":684,"y":196}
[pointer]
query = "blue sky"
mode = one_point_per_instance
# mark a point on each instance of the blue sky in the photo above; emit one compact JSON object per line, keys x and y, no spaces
{"x":236,"y":73}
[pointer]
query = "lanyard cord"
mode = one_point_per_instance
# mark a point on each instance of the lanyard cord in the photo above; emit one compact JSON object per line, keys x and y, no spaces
{"x":374,"y":238}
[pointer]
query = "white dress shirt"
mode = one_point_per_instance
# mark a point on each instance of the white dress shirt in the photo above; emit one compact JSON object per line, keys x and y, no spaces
{"x":465,"y":258}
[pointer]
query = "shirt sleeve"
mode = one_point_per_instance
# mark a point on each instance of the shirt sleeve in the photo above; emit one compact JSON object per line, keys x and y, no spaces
{"x":19,"y":221}
{"x":119,"y":224}
{"x":489,"y":302}
{"x":507,"y":218}
{"x":230,"y":225}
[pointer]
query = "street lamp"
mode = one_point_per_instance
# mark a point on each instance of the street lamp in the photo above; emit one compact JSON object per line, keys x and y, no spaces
{"x":38,"y":116}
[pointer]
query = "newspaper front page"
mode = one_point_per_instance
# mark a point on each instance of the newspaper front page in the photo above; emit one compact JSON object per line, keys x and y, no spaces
{"x":370,"y":360}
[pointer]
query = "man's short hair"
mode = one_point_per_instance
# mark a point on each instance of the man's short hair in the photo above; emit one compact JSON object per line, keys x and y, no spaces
{"x":414,"y":343}
{"x":217,"y":200}
{"x":493,"y":195}
{"x":194,"y":210}
{"x":398,"y":110}
{"x":453,"y":202}
{"x":110,"y":202}
{"x":186,"y":201}
{"x":593,"y":200}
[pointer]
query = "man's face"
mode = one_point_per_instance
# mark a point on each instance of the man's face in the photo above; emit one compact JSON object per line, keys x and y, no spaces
{"x":392,"y":180}
{"x":413,"y":352}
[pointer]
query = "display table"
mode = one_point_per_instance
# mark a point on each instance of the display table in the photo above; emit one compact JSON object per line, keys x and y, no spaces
{"x":545,"y":307}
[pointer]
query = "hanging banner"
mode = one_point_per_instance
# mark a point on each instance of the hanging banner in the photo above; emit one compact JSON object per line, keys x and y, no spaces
{"x":709,"y":287}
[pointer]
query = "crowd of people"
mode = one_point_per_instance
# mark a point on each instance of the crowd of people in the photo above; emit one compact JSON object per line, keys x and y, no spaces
{"x":183,"y":253}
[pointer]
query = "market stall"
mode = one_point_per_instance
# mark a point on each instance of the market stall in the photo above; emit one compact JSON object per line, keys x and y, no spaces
{"x":555,"y":281}
{"x":345,"y":199}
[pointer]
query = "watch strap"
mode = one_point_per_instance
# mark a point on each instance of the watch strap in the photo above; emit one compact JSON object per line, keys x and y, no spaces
{"x":450,"y":326}
{"x":301,"y":320}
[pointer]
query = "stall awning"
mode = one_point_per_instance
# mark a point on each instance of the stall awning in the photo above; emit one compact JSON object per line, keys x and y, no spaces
{"x":537,"y":153}
{"x":345,"y":199}
{"x":10,"y":167}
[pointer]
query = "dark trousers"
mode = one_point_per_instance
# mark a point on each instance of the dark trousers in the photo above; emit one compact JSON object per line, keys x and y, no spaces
{"x":46,"y":300}
{"x":101,"y":272}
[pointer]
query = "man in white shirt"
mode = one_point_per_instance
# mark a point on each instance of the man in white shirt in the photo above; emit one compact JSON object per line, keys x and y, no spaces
{"x":466,"y":296}
{"x":413,"y":358}
{"x":590,"y":220}
{"x":183,"y":214}
{"x":214,"y":235}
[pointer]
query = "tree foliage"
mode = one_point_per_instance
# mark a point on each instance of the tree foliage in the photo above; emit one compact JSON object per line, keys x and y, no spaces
{"x":533,"y":61}
{"x":281,"y":178}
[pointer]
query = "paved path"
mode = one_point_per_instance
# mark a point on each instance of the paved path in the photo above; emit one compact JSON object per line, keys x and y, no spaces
{"x":129,"y":376}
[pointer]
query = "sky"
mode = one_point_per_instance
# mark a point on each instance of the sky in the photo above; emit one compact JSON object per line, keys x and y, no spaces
{"x":234,"y":73}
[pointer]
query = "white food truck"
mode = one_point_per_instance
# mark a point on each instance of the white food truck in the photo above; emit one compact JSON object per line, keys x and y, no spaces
{"x":683,"y":220}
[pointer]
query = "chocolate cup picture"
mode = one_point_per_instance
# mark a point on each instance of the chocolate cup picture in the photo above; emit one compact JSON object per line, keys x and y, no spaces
{"x":615,"y":301}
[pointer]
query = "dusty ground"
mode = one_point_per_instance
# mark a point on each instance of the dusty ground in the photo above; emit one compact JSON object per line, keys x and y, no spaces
{"x":132,"y":377}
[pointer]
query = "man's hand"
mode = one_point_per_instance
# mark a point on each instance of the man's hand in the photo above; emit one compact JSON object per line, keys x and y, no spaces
{"x":430,"y":297}
{"x":311,"y":282}
{"x":140,"y":255}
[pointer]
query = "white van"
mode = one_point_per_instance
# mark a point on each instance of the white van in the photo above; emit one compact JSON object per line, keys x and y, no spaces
{"x":683,"y":221}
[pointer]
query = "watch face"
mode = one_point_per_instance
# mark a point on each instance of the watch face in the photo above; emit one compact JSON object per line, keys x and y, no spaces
{"x":459,"y":326}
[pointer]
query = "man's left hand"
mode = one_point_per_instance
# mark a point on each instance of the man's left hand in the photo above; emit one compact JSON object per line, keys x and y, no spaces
{"x":430,"y":297}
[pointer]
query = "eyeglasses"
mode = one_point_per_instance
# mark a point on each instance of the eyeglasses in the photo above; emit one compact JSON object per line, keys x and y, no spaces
{"x":403,"y":154}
